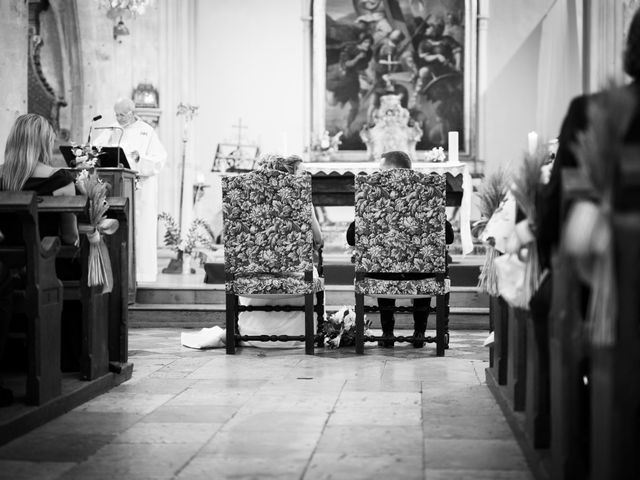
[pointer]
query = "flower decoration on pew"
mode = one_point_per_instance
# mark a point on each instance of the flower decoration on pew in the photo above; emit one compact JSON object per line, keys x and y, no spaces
{"x":588,"y":236}
{"x":435,"y":155}
{"x":99,"y":269}
{"x":492,"y":195}
{"x":86,"y":156}
{"x":340,"y":328}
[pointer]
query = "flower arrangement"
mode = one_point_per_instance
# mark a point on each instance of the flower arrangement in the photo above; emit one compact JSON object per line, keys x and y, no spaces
{"x":435,"y":155}
{"x":492,"y":193}
{"x":86,"y":156}
{"x":199,"y":236}
{"x":99,"y":269}
{"x":526,"y":183}
{"x":324,"y":145}
{"x":340,"y":328}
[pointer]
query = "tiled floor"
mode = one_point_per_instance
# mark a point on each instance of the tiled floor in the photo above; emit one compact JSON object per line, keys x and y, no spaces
{"x":272,"y":413}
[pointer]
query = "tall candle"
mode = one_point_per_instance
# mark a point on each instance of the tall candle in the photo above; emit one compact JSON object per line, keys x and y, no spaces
{"x":453,"y":147}
{"x":533,"y":142}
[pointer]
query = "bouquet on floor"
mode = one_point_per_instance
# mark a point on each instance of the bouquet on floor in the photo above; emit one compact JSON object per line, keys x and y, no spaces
{"x":99,"y":269}
{"x":588,"y":234}
{"x":340,"y":328}
{"x":492,"y":195}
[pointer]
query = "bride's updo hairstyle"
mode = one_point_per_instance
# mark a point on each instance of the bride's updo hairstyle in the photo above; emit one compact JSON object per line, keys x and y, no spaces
{"x":272,"y":161}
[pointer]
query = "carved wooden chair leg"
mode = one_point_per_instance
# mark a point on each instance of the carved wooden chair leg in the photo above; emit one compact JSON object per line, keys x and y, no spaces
{"x":309,"y":333}
{"x":359,"y":323}
{"x":440,"y":325}
{"x":231,"y":307}
{"x":320,"y":316}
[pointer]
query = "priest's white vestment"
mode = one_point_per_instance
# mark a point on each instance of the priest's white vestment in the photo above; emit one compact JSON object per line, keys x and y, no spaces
{"x":142,"y":138}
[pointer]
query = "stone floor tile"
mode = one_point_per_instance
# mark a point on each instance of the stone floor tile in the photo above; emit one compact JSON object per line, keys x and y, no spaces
{"x":155,"y":386}
{"x":21,"y":470}
{"x":368,"y":400}
{"x":192,"y":414}
{"x":382,"y":416}
{"x":342,"y":466}
{"x":136,"y":403}
{"x":287,"y":467}
{"x":437,"y":425}
{"x":478,"y":475}
{"x":134,"y":462}
{"x":262,"y":443}
{"x":292,"y":421}
{"x":159,"y":433}
{"x":372,"y":440}
{"x":204,"y":396}
{"x":88,"y":423}
{"x":54,"y":447}
{"x":380,"y":385}
{"x":476,"y":454}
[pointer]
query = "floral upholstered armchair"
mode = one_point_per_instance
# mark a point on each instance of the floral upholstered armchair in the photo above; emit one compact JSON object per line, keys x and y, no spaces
{"x":400,"y":229}
{"x":268,"y":245}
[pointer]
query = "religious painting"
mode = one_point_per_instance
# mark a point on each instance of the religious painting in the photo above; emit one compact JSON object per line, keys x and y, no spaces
{"x":418,"y":50}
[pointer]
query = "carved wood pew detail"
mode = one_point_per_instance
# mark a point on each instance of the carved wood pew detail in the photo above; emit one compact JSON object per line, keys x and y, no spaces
{"x":40,"y":298}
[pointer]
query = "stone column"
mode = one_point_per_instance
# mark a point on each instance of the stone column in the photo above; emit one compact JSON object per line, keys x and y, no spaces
{"x":14,"y":25}
{"x":483,"y":24}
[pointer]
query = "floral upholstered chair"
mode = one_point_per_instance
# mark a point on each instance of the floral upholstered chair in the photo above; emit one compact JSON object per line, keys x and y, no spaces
{"x":400,"y":229}
{"x":268,"y":248}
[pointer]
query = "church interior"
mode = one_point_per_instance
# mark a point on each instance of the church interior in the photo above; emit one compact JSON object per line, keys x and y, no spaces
{"x":319,"y":239}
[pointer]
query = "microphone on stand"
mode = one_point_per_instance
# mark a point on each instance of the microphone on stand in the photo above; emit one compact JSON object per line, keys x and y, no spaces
{"x":94,"y":119}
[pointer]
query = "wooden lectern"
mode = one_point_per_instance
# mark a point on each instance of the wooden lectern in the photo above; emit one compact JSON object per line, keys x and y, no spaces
{"x":123,"y":184}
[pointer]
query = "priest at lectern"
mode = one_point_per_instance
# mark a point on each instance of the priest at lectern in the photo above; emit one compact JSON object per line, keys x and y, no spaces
{"x":146,"y":155}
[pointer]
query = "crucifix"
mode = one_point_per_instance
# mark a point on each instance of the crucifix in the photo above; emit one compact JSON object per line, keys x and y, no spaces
{"x":239,"y":127}
{"x":389,"y":62}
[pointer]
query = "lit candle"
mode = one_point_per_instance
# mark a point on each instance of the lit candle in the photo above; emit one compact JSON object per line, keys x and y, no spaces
{"x":533,"y":142}
{"x":453,"y":147}
{"x":200,"y":178}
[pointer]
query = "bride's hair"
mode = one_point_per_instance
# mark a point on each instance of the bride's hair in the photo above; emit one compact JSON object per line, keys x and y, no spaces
{"x":272,"y":161}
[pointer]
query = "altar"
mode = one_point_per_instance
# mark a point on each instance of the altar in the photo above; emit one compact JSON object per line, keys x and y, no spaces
{"x":333,"y":184}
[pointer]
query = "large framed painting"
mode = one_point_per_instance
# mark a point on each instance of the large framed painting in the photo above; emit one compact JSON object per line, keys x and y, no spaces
{"x":422,"y":51}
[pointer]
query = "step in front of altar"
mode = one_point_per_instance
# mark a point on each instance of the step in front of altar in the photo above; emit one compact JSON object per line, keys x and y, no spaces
{"x":199,"y":305}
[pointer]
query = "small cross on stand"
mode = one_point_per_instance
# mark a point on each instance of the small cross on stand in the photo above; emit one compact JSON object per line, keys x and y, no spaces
{"x":239,"y":127}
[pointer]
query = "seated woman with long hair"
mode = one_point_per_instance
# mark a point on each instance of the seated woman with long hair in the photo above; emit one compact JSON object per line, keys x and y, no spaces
{"x":27,"y":167}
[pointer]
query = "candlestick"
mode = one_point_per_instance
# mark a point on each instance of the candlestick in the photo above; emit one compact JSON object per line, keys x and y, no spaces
{"x":533,"y":142}
{"x":453,"y":147}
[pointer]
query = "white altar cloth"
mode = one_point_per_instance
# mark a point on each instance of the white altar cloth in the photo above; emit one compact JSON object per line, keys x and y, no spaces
{"x":454,"y":169}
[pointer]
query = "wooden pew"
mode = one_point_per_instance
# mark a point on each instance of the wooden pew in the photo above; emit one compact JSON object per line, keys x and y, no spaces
{"x":118,"y":245}
{"x":104,"y":316}
{"x":569,"y":353}
{"x":499,"y":319}
{"x":615,"y":389}
{"x":41,"y":298}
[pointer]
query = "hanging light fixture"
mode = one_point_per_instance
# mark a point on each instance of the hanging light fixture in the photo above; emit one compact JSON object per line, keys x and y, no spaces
{"x":118,"y":10}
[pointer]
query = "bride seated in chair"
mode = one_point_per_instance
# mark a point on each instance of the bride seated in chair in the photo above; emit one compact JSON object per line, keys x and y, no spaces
{"x":261,"y":286}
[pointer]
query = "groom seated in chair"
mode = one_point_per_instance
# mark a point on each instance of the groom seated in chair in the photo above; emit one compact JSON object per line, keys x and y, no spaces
{"x":398,"y":159}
